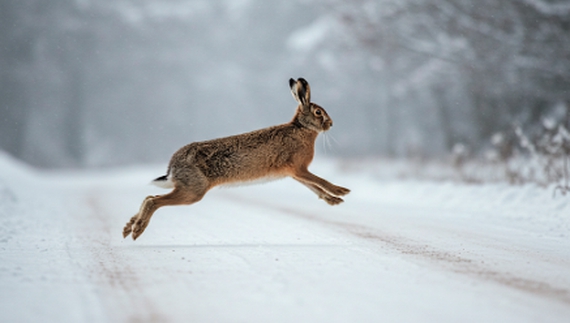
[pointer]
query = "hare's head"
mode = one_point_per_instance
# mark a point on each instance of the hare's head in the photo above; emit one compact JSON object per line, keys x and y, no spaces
{"x":308,"y":114}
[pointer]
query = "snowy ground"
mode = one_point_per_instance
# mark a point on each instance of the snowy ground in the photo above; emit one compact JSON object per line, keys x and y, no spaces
{"x":395,"y":251}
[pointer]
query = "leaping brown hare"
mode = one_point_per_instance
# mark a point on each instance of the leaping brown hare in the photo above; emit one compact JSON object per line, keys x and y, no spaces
{"x":270,"y":153}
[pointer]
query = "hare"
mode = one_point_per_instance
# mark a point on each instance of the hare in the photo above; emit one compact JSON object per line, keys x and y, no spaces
{"x":270,"y":153}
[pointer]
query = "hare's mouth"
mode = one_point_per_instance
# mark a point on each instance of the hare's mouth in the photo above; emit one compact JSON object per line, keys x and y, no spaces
{"x":327,"y":125}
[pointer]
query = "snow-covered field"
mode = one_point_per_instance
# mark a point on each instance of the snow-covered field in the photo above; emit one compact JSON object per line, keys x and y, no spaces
{"x":395,"y":251}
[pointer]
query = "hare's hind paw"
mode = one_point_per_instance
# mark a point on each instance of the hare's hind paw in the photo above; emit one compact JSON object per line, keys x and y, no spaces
{"x":127,"y":230}
{"x":129,"y":226}
{"x":139,"y":227}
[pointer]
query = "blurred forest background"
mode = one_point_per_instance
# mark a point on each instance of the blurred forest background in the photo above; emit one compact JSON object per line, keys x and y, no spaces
{"x":88,"y":83}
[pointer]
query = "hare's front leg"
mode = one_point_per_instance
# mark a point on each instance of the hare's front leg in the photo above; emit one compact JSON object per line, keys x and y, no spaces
{"x":306,"y":177}
{"x":332,"y":200}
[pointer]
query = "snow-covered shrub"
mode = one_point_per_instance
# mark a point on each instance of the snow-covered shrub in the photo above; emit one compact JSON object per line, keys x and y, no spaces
{"x":459,"y":155}
{"x":549,"y":154}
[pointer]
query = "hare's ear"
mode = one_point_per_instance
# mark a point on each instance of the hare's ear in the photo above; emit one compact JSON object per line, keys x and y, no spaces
{"x":301,"y":91}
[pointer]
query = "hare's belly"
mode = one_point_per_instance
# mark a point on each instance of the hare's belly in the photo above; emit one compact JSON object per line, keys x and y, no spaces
{"x":256,"y":181}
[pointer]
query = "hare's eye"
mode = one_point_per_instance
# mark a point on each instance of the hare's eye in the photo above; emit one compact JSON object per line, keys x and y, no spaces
{"x":318,"y":112}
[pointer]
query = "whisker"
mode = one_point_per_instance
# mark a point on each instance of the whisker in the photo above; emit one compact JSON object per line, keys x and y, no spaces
{"x":336,"y":141}
{"x":328,"y":142}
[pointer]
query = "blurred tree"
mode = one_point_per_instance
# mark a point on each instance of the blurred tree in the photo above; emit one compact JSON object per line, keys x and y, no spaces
{"x":513,"y":56}
{"x":16,"y":55}
{"x":34,"y":33}
{"x":99,"y":82}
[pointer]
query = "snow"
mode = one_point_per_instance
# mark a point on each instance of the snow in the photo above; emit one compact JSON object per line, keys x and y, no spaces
{"x":395,"y":251}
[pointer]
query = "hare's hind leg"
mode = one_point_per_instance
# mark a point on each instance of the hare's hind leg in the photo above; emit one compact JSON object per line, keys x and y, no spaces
{"x":139,"y":222}
{"x":308,"y":178}
{"x":129,"y":226}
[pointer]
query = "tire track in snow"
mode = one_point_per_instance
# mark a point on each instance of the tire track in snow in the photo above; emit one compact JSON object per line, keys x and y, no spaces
{"x":119,"y":280}
{"x":446,"y":259}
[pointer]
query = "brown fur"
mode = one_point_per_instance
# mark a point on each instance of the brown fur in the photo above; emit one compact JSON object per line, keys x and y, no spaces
{"x":274,"y":152}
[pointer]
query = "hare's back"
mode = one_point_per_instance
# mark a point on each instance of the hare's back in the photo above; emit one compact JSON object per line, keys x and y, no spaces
{"x":247,"y":157}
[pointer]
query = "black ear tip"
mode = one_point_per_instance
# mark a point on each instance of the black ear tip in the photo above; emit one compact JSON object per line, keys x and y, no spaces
{"x":303,"y":81}
{"x":291,"y":82}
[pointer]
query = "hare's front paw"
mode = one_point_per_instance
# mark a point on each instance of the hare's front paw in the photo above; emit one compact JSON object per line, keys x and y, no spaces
{"x":332,"y":200}
{"x":340,"y":191}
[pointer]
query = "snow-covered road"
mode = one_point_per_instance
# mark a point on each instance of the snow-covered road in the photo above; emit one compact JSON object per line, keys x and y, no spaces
{"x":395,"y":251}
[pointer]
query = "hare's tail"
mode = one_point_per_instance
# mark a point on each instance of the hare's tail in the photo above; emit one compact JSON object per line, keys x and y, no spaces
{"x":163,"y":181}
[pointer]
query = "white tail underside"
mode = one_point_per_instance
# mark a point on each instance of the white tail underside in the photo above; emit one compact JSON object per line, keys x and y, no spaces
{"x":164,"y":184}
